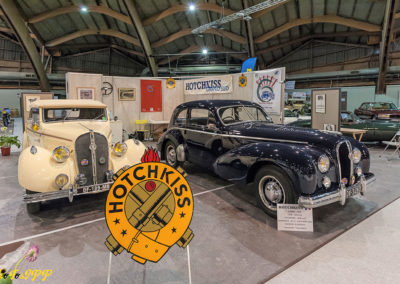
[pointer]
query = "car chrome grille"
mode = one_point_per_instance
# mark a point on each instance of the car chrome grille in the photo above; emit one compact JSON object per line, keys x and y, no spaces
{"x":344,"y":153}
{"x":92,"y":157}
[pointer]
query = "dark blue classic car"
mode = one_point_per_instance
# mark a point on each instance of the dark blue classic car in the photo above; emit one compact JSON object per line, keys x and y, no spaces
{"x":238,"y":141}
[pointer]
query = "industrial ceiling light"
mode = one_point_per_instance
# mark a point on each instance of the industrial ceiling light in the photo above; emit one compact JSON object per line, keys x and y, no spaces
{"x":192,"y":7}
{"x":84,"y":9}
{"x":204,"y":51}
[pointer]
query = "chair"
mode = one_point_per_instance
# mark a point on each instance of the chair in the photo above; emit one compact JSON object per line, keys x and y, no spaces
{"x":140,"y":129}
{"x":395,"y":141}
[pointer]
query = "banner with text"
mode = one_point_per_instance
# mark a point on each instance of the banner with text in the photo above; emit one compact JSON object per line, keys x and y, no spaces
{"x":209,"y":85}
{"x":267,"y":90}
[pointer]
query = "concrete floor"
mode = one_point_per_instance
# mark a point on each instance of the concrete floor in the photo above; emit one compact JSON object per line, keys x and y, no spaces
{"x":235,"y":242}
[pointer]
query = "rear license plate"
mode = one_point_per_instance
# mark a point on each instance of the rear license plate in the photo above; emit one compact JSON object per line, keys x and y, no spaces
{"x":94,"y":188}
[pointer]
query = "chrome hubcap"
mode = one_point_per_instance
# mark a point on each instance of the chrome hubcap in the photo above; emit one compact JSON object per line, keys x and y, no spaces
{"x":171,"y":155}
{"x":271,"y":192}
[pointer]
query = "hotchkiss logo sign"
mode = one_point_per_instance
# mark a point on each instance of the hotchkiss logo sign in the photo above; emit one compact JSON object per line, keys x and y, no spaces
{"x":149,"y":208}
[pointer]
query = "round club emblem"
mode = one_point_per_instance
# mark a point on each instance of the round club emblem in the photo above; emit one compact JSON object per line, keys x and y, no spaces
{"x":170,"y":83}
{"x":242,"y":81}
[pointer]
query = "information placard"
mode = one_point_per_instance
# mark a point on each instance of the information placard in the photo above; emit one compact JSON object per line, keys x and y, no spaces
{"x":292,"y":217}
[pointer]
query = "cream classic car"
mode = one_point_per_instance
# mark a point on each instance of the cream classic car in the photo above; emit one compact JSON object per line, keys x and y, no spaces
{"x":67,"y":151}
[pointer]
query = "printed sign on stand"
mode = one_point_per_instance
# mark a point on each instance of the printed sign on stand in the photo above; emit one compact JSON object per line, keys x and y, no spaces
{"x":292,"y":217}
{"x":208,"y":85}
{"x":267,"y":90}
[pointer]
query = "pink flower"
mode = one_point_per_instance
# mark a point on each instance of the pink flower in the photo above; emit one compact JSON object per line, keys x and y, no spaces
{"x":32,"y":254}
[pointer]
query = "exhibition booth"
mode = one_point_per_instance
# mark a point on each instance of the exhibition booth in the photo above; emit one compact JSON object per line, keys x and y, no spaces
{"x":152,"y":99}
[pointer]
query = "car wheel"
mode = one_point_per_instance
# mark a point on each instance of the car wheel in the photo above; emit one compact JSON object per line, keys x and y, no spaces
{"x":171,"y":155}
{"x":272,"y":187}
{"x":32,"y":207}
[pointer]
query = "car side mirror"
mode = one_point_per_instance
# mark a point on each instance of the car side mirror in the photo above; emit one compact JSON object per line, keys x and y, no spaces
{"x":115,"y":118}
{"x":297,"y":114}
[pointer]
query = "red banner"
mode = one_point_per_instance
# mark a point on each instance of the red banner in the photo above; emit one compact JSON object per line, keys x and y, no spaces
{"x":151,"y":96}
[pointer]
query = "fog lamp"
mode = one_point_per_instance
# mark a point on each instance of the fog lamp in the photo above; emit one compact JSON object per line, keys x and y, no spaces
{"x":120,"y":149}
{"x":326,"y":182}
{"x":61,"y":180}
{"x":60,"y":154}
{"x":323,"y":163}
{"x":358,"y":171}
{"x":81,"y":179}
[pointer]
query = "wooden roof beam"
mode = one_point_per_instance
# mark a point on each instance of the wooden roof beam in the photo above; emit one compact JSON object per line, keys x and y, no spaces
{"x":181,"y":8}
{"x":141,"y":33}
{"x":75,"y":8}
{"x":360,"y":25}
{"x":188,"y":31}
{"x":81,"y":33}
{"x":15,"y":21}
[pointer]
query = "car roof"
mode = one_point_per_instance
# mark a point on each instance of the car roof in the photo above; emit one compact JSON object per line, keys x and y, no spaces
{"x":68,"y":104}
{"x":216,"y":103}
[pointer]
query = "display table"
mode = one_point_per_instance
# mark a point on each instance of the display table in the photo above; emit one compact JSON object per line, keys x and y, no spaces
{"x":354,"y":132}
{"x":156,"y":124}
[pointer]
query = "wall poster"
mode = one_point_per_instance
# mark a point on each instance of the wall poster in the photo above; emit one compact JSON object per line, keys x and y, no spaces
{"x":85,"y":93}
{"x":267,"y":90}
{"x":320,"y":103}
{"x":126,"y":94}
{"x":151,"y":96}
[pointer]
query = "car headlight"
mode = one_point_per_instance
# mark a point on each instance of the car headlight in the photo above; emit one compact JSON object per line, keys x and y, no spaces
{"x":60,"y":154}
{"x":323,"y":163}
{"x":120,"y":149}
{"x":356,"y":156}
{"x":61,"y":180}
{"x":35,"y":126}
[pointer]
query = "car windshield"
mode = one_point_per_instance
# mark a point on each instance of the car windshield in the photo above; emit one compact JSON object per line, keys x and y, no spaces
{"x":383,"y":106}
{"x":349,"y":117}
{"x":68,"y":114}
{"x":239,"y":114}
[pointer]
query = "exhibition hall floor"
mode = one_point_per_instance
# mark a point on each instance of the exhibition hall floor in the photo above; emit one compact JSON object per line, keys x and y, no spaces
{"x":235,"y":242}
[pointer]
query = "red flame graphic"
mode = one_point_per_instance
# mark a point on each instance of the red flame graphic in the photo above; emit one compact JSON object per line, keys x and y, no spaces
{"x":150,"y":155}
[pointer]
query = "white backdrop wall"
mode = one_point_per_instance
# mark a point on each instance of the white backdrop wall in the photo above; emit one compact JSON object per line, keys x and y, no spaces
{"x":129,"y":111}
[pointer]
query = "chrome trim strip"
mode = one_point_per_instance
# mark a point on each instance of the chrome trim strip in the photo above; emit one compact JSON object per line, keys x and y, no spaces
{"x":239,"y":136}
{"x":92,"y":148}
{"x":339,"y":195}
{"x":63,"y":193}
{"x":350,"y":149}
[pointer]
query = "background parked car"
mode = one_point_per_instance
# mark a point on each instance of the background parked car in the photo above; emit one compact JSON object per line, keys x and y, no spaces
{"x":380,"y":110}
{"x":377,"y":129}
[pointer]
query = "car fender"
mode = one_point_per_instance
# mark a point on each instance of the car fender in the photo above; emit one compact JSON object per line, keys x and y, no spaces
{"x":37,"y":172}
{"x":132,"y":156}
{"x":173,"y":135}
{"x":298,"y":161}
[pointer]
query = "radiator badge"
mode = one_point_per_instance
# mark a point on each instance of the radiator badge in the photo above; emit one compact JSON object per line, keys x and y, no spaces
{"x":149,"y":208}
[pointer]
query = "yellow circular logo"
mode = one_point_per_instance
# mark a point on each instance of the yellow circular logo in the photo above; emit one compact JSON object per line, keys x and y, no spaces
{"x":149,"y":208}
{"x":242,"y":81}
{"x":170,"y":83}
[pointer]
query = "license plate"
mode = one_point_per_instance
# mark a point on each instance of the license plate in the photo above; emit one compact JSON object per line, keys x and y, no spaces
{"x":353,"y":191}
{"x":94,"y":188}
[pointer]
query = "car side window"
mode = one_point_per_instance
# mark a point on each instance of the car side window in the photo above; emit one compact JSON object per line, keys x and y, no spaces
{"x":180,"y":119}
{"x":201,"y":118}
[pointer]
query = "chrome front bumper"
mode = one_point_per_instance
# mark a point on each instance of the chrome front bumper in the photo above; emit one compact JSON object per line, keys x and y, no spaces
{"x":69,"y":193}
{"x":339,"y":195}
